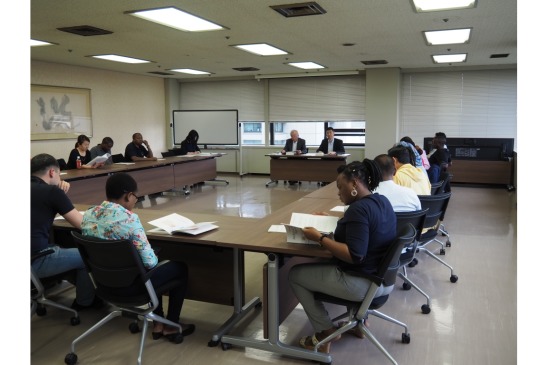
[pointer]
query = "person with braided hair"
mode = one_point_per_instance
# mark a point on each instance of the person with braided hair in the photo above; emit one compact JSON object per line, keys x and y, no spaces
{"x":359,"y":243}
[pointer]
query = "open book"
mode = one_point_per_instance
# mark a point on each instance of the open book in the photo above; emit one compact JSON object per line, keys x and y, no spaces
{"x":323,"y":223}
{"x":175,"y":223}
{"x":99,"y":159}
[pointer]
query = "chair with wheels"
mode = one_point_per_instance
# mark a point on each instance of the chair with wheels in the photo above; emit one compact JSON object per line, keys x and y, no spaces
{"x":407,"y":256}
{"x":62,"y":164}
{"x":38,"y":292}
{"x":121,"y":280}
{"x":385,"y":274}
{"x":437,"y":205}
{"x":117,"y":158}
{"x":446,"y":188}
{"x":436,"y":187}
{"x":168,"y":154}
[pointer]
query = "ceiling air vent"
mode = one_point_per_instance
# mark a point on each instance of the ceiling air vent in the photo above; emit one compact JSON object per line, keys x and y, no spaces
{"x":375,"y":62}
{"x":85,"y":30}
{"x":160,"y":73}
{"x":301,"y":9}
{"x":500,"y":55}
{"x":244,"y":69}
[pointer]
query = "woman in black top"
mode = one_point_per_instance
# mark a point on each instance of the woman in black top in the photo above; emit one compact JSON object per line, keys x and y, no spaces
{"x":190,"y":144}
{"x":81,"y":152}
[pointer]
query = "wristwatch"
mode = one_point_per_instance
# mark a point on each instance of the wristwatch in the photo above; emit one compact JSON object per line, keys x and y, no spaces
{"x":322,"y":237}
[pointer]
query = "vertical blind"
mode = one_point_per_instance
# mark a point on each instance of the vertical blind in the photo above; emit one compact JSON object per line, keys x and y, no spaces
{"x":480,"y":104}
{"x":247,"y":96}
{"x":317,"y":98}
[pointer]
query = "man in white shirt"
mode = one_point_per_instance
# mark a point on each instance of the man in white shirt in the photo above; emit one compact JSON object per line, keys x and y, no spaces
{"x":403,"y":199}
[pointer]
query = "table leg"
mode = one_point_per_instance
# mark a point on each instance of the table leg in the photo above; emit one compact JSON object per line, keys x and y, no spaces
{"x":272,"y":343}
{"x":239,"y":310}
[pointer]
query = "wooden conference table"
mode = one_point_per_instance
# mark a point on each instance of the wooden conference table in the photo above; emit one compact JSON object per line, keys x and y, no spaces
{"x":216,"y":266}
{"x":87,"y":186}
{"x":305,"y":167}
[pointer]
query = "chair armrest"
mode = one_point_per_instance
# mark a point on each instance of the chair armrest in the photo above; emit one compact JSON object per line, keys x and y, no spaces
{"x":41,"y":254}
{"x":151,"y":271}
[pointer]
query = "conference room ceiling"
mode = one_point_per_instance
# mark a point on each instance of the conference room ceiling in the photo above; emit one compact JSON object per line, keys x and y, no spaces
{"x":387,"y":30}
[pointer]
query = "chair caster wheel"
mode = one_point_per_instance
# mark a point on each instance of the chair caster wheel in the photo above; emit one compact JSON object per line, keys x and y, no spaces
{"x":425,"y":308}
{"x":212,"y":343}
{"x":448,"y":243}
{"x":405,"y":338}
{"x":413,"y":263}
{"x":259,"y":305}
{"x":454,"y":278}
{"x":71,"y":359}
{"x":41,"y":311}
{"x":406,"y":286}
{"x":134,"y":327}
{"x":74,"y":321}
{"x":442,"y":251}
{"x":226,"y":346}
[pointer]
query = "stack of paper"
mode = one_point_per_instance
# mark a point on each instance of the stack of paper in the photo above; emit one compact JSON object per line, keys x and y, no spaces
{"x":99,"y":159}
{"x":294,"y":230}
{"x":175,"y":223}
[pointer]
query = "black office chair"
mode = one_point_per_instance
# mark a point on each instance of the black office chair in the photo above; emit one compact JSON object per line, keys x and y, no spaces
{"x":357,"y":311}
{"x":437,"y":205}
{"x":168,"y":154}
{"x":407,"y":256}
{"x":446,"y":188}
{"x":121,"y":279}
{"x":39,"y":291}
{"x":436,"y":187}
{"x":62,"y":164}
{"x":117,"y":158}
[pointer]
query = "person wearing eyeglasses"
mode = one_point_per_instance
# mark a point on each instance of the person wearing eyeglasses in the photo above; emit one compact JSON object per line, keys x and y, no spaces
{"x":113,"y":219}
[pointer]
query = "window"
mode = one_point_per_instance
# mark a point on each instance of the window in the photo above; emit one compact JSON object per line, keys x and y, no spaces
{"x":351,"y":132}
{"x":252,"y":133}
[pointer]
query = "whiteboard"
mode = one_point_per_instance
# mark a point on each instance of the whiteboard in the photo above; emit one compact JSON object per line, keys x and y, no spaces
{"x":215,"y":127}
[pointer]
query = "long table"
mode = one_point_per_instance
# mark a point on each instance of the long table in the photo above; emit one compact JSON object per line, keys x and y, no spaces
{"x":87,"y":186}
{"x":216,"y":266}
{"x":306,"y":167}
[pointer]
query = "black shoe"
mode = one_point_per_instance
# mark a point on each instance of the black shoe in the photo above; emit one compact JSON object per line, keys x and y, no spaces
{"x":96,"y":304}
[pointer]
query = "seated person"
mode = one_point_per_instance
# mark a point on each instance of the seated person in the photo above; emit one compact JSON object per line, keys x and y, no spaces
{"x":331,"y":145}
{"x":114,"y":220}
{"x":189,"y":146}
{"x":361,"y":237}
{"x":403,"y":199}
{"x":81,"y":153}
{"x":439,"y":160}
{"x":406,"y":173}
{"x":420,"y":155}
{"x":135,"y":151}
{"x":47,"y":199}
{"x":101,"y":149}
{"x":295,"y":144}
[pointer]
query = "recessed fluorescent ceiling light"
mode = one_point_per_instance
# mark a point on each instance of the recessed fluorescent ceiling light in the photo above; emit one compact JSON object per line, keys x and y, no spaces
{"x":451,"y":36}
{"x":36,"y":43}
{"x":422,"y":6}
{"x":449,"y":58}
{"x":306,"y":65}
{"x":191,"y":71}
{"x":116,"y":58}
{"x":262,"y":49}
{"x":175,"y":18}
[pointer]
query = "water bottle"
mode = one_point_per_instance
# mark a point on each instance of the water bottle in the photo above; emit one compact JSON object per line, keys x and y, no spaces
{"x":78,"y":162}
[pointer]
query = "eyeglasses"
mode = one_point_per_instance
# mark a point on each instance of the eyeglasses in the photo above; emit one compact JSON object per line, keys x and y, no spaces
{"x":131,"y":193}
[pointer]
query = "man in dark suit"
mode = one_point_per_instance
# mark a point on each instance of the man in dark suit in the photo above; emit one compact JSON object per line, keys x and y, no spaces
{"x":295,"y":144}
{"x":331,"y":145}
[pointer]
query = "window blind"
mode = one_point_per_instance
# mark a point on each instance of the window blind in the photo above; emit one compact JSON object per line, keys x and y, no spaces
{"x":480,"y":104}
{"x":332,"y":98}
{"x":246,"y":96}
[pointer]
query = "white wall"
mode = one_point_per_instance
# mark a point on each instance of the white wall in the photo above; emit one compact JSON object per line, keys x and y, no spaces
{"x":121,"y":104}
